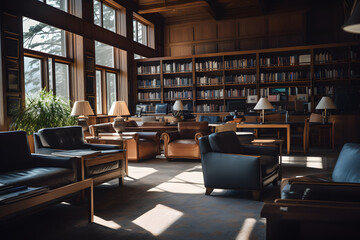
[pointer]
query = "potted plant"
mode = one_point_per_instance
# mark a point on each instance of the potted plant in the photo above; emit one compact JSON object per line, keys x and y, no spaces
{"x":42,"y":110}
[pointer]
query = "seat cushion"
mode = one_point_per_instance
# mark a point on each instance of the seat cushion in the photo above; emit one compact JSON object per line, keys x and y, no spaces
{"x":62,"y":137}
{"x":183,"y":148}
{"x":100,"y":169}
{"x":40,"y":176}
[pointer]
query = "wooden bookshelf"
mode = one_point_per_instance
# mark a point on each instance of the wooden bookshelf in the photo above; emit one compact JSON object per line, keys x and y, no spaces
{"x":315,"y":70}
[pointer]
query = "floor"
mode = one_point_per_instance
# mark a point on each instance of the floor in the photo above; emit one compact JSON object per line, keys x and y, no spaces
{"x":164,"y":200}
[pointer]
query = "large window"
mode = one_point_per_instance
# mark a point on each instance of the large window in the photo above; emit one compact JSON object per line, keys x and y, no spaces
{"x":46,"y":64}
{"x":60,"y":4}
{"x":104,"y":16}
{"x":140,"y":32}
{"x":104,"y":55}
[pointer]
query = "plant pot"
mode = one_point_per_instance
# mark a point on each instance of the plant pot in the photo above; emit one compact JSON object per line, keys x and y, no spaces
{"x":31,"y":143}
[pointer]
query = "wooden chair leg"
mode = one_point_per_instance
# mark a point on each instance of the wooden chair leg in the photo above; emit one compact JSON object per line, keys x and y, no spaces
{"x":121,"y":181}
{"x":256,"y":195}
{"x":208,"y":191}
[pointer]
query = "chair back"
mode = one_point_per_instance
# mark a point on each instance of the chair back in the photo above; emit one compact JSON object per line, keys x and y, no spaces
{"x":315,"y":117}
{"x":347,"y":167}
{"x":225,"y":142}
{"x":209,"y":119}
{"x":187,"y":130}
{"x":226,"y":127}
{"x":62,"y":137}
{"x":14,"y":150}
{"x":102,"y":128}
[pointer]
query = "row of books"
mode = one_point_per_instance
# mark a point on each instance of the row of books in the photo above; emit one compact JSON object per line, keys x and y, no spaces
{"x":324,"y":90}
{"x":284,"y":76}
{"x":265,"y":92}
{"x":355,"y":55}
{"x":148,"y":83}
{"x":240,"y":63}
{"x":208,"y":65}
{"x":148,"y":69}
{"x":327,"y":57}
{"x":177,"y":82}
{"x":149,"y":95}
{"x":177,"y":67}
{"x":188,"y":106}
{"x":330,"y":73}
{"x":185,"y":94}
{"x":243,"y":78}
{"x":209,"y":94}
{"x":204,"y":108}
{"x":286,"y":60}
{"x":205,"y":80}
{"x":150,"y":107}
{"x":240,"y":92}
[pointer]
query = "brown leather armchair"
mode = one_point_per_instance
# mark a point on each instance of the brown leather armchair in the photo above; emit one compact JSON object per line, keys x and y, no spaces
{"x":145,"y":145}
{"x":184,"y":143}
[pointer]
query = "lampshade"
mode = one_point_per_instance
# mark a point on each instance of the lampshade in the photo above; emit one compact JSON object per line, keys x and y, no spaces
{"x":81,"y":107}
{"x":178,"y":106}
{"x":119,"y":108}
{"x":263,"y":103}
{"x":352,"y":25}
{"x":325,"y":103}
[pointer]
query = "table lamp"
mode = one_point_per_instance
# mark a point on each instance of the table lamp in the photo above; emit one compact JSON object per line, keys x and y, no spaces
{"x":352,"y":25}
{"x":263,"y":104}
{"x":119,"y":109}
{"x":178,"y":107}
{"x":324,"y":104}
{"x":82,"y":109}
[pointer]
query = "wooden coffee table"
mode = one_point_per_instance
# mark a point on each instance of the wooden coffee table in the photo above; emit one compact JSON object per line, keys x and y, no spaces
{"x":57,"y":193}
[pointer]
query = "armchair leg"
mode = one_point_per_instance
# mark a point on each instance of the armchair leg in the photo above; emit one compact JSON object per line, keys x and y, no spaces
{"x":256,"y":195}
{"x":121,"y":181}
{"x":208,"y":191}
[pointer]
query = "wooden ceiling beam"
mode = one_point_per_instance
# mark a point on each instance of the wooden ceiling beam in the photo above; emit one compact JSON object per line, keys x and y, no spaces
{"x":216,"y":9}
{"x":171,"y":7}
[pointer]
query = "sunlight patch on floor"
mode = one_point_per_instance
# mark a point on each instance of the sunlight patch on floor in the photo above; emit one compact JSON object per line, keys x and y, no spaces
{"x":246,"y":229}
{"x":310,"y":161}
{"x":136,"y":173}
{"x":109,"y":224}
{"x":188,"y":182}
{"x":158,"y":219}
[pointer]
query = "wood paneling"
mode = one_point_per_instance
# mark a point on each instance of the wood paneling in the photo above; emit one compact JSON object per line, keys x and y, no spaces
{"x":288,"y":22}
{"x":255,"y":26}
{"x":205,"y":31}
{"x":226,"y":29}
{"x":181,"y":34}
{"x":206,"y":48}
{"x":228,"y":46}
{"x":252,"y":43}
{"x":181,"y":50}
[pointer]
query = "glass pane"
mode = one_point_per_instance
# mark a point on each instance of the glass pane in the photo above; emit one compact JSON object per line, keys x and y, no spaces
{"x":97,"y":13}
{"x":32,"y":75}
{"x":140,"y":37}
{"x":98,"y":93}
{"x":110,"y":89}
{"x":60,"y":4}
{"x":135,"y":30}
{"x":62,"y":80}
{"x":51,"y":87}
{"x":144,"y":34}
{"x":44,"y":38}
{"x":109,"y":18}
{"x":104,"y":54}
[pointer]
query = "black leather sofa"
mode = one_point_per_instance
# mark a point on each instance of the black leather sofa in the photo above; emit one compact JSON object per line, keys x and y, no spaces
{"x":19,"y":167}
{"x":228,"y":164}
{"x":49,"y":140}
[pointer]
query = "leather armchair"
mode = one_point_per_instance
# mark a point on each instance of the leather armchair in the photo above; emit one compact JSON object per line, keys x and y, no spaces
{"x":19,"y":167}
{"x":184,"y":143}
{"x":48,"y":140}
{"x":145,"y":145}
{"x":227,"y":164}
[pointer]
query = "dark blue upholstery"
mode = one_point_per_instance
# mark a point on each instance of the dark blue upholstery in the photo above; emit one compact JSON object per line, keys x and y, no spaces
{"x":209,"y":119}
{"x":347,"y":168}
{"x":226,"y":165}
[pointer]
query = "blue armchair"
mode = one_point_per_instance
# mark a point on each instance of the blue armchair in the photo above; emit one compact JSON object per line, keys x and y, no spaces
{"x":209,"y":119}
{"x":227,"y":164}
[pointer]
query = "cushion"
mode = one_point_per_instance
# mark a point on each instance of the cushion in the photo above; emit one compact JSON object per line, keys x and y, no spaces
{"x":62,"y":137}
{"x":347,"y":168}
{"x":225,"y":142}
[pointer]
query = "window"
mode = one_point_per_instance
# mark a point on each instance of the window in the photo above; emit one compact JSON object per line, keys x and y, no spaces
{"x":45,"y":58}
{"x":104,"y":16}
{"x":110,"y":89}
{"x":98,"y":93}
{"x":60,"y":4}
{"x":104,"y":54}
{"x":140,"y":32}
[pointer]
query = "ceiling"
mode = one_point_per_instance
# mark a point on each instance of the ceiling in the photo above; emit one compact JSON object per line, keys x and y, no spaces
{"x":180,"y":11}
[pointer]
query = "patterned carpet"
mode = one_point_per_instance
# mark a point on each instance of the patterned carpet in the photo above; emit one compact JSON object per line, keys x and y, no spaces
{"x":162,"y":200}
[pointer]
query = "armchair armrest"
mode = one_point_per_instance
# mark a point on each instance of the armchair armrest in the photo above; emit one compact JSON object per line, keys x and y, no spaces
{"x":42,"y":160}
{"x":153,"y":136}
{"x":101,"y":146}
{"x":170,"y":136}
{"x":198,"y":135}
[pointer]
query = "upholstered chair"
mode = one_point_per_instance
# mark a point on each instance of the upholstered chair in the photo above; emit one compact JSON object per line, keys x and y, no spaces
{"x":228,"y":164}
{"x":184,"y":143}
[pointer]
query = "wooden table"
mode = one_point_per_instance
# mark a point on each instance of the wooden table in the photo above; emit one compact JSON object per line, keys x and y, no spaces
{"x":151,"y":128}
{"x":115,"y":139}
{"x":270,"y":125}
{"x":51,"y":195}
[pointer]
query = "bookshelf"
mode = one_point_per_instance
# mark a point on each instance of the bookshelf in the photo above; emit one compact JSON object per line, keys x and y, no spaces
{"x":206,"y":83}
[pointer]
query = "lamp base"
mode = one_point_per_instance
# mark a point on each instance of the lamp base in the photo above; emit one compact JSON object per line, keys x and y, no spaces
{"x":119,"y":125}
{"x":83,"y":123}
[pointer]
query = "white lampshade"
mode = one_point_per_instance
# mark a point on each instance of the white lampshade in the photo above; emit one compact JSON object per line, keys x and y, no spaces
{"x":81,"y":107}
{"x":178,"y":106}
{"x":352,"y":25}
{"x":263,"y":104}
{"x":119,"y":108}
{"x":325,"y":103}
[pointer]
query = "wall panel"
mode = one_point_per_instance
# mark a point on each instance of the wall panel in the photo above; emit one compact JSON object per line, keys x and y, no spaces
{"x":205,"y":31}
